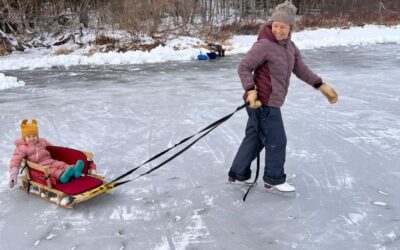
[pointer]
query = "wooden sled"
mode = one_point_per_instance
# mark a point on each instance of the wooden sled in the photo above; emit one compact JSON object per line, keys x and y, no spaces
{"x":36,"y":179}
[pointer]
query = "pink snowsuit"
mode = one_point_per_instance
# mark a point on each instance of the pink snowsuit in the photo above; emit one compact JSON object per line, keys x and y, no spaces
{"x":37,"y":154}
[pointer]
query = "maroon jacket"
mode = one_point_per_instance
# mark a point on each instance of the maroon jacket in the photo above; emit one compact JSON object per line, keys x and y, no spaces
{"x":272,"y":62}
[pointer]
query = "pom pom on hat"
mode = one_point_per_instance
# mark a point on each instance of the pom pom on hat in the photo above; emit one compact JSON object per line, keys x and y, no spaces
{"x":285,"y":12}
{"x":29,"y":128}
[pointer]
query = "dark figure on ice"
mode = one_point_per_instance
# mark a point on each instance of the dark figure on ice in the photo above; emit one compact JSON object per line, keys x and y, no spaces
{"x":272,"y":59}
{"x":217,"y":48}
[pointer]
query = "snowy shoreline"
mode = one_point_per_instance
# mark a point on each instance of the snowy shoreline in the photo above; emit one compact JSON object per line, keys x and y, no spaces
{"x":183,"y":49}
{"x":309,"y":39}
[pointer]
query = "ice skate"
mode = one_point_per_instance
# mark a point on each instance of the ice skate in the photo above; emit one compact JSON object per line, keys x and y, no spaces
{"x":284,"y":187}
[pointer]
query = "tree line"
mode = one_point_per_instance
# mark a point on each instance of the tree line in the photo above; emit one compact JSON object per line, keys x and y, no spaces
{"x":151,"y":16}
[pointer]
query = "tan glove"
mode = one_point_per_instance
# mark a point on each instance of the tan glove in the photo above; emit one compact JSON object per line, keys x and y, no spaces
{"x":329,"y":93}
{"x":252,"y":99}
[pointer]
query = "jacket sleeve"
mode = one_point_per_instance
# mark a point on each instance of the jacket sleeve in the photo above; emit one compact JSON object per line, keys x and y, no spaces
{"x":303,"y":72}
{"x":254,"y":58}
{"x":16,"y":159}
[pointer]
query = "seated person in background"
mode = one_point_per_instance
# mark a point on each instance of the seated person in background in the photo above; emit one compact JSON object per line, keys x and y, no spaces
{"x":32,"y":148}
{"x":217,"y":48}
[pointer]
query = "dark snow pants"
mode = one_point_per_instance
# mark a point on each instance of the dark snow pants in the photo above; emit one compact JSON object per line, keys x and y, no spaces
{"x":264,"y":130}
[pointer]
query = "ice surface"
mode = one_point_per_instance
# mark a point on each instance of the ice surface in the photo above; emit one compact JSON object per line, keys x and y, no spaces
{"x":343,"y":158}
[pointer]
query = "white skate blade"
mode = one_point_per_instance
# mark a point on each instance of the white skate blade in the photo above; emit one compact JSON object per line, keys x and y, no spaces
{"x":247,"y":183}
{"x":284,"y":187}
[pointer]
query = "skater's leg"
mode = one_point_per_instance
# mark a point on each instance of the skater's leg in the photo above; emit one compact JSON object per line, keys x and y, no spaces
{"x":248,"y":150}
{"x":275,"y":145}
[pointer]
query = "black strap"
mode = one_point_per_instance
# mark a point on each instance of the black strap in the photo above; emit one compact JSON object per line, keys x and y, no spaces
{"x":205,"y":130}
{"x":259,"y":134}
{"x":255,"y":179}
{"x":25,"y":166}
{"x":167,"y":160}
{"x":29,"y":180}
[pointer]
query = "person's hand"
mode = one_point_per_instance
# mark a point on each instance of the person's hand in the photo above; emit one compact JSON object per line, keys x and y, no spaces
{"x":329,"y":93}
{"x":13,"y":178}
{"x":252,"y":99}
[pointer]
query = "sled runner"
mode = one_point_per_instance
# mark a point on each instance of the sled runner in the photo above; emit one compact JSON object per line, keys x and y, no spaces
{"x":36,"y":179}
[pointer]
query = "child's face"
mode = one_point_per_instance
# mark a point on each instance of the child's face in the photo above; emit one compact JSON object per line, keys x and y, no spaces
{"x":31,"y":139}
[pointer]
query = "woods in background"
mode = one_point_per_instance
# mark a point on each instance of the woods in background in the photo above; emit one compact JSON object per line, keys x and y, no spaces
{"x":21,"y":18}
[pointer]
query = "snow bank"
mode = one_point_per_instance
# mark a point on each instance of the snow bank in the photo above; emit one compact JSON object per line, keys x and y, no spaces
{"x":175,"y":50}
{"x":186,"y":48}
{"x":7,"y":82}
{"x":314,"y":39}
{"x":367,"y":35}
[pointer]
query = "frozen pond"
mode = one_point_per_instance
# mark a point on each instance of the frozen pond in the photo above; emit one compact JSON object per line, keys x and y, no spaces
{"x":343,"y":158}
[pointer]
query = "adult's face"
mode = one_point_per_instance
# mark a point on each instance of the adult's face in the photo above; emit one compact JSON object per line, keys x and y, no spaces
{"x":280,"y":30}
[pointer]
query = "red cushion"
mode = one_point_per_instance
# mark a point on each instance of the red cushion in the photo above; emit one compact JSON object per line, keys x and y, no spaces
{"x":69,"y":156}
{"x":74,"y":186}
{"x":37,"y":176}
{"x":77,"y":186}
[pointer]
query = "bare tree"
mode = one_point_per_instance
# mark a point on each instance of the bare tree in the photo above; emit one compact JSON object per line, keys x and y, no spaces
{"x":138,"y":16}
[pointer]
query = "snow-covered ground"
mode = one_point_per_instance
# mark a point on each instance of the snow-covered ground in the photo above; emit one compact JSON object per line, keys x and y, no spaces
{"x":181,"y":48}
{"x":342,"y":158}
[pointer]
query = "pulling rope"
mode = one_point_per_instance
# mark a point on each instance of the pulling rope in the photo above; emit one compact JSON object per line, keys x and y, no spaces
{"x":114,"y":183}
{"x":259,"y":133}
{"x":169,"y":159}
{"x":255,"y":179}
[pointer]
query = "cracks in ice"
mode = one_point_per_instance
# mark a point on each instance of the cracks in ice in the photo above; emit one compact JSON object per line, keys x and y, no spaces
{"x":381,"y":203}
{"x":48,"y":235}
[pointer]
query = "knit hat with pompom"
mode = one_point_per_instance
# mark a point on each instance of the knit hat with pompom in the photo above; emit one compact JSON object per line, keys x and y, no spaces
{"x":285,"y":12}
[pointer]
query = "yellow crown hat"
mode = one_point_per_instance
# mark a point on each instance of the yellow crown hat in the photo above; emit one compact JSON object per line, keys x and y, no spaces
{"x":29,"y":128}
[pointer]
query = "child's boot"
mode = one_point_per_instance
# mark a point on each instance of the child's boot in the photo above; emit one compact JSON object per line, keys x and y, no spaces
{"x":78,"y":168}
{"x":66,"y":175}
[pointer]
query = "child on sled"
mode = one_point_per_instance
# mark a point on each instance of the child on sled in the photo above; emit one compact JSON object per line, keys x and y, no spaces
{"x":32,"y":148}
